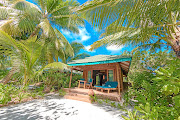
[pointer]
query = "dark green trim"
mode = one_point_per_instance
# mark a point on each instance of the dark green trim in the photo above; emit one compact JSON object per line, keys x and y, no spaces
{"x":102,"y":62}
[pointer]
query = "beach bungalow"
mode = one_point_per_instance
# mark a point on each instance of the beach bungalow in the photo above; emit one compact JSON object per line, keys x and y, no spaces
{"x":103,"y":68}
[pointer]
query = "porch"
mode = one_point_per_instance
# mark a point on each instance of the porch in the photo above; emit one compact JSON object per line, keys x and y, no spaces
{"x":81,"y":94}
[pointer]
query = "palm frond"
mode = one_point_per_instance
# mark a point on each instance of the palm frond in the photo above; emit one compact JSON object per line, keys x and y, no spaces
{"x":65,"y":45}
{"x":54,"y":65}
{"x":118,"y":38}
{"x":122,"y":16}
{"x":80,"y":56}
{"x":77,"y":47}
{"x":7,"y":40}
{"x":47,"y":28}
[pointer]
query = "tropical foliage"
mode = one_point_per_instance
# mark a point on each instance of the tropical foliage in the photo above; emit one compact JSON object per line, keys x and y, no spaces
{"x":24,"y":20}
{"x":25,"y":55}
{"x":155,"y":89}
{"x":11,"y":94}
{"x":146,"y":24}
{"x":31,"y":46}
{"x":36,"y":40}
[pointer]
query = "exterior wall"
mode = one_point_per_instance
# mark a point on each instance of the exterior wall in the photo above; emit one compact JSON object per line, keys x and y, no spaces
{"x":85,"y":74}
{"x":99,"y":67}
{"x":116,"y":67}
{"x":111,"y":66}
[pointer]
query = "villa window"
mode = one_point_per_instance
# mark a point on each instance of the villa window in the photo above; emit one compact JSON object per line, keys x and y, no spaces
{"x":110,"y":75}
{"x":89,"y":75}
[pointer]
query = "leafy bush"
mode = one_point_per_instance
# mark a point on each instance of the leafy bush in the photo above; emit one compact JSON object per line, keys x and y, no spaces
{"x":40,"y":93}
{"x":62,"y":92}
{"x":5,"y":93}
{"x":22,"y":95}
{"x":33,"y":95}
{"x":58,"y":80}
{"x":156,"y":93}
{"x":3,"y":73}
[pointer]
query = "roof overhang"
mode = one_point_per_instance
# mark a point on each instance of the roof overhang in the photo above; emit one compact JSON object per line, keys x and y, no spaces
{"x":102,"y":62}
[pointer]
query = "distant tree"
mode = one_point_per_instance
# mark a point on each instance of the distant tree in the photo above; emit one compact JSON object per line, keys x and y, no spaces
{"x":77,"y":47}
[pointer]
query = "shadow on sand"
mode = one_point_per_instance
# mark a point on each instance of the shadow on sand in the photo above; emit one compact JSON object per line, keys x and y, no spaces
{"x":37,"y":109}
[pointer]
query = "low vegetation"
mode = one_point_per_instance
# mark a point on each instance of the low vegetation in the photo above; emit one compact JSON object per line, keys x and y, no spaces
{"x":15,"y":92}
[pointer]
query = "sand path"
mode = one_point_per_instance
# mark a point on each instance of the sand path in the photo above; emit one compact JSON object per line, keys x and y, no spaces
{"x":56,"y":108}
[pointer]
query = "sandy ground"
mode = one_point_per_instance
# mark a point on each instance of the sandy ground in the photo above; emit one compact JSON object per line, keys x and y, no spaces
{"x":56,"y":108}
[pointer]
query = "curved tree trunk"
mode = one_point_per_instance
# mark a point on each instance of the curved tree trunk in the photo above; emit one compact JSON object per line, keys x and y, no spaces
{"x":175,"y":41}
{"x":176,"y":47}
{"x":8,"y":77}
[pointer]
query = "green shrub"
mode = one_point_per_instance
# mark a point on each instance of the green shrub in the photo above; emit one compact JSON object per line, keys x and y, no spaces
{"x":156,"y":93}
{"x":62,"y":92}
{"x":22,"y":95}
{"x":40,"y":93}
{"x":33,"y":95}
{"x":5,"y":93}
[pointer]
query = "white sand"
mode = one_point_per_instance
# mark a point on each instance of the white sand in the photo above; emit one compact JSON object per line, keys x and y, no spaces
{"x":59,"y":109}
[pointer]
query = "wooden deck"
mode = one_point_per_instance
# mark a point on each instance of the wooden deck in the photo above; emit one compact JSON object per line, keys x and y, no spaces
{"x":81,"y":94}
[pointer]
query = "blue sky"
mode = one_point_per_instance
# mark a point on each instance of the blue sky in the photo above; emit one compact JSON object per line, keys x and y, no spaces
{"x":87,"y":36}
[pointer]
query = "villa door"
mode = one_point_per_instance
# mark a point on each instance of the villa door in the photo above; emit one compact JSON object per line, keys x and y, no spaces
{"x":99,"y":77}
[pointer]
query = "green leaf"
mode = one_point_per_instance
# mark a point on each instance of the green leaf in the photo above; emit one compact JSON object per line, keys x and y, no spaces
{"x":158,"y":72}
{"x":161,"y":78}
{"x":170,"y":89}
{"x":126,"y":118}
{"x":147,"y":107}
{"x":166,"y":72}
{"x":176,"y":100}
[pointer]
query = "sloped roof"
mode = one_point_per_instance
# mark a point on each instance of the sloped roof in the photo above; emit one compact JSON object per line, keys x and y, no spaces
{"x":100,"y":59}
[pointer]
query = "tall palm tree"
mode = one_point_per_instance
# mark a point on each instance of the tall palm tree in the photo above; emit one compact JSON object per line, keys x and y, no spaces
{"x":26,"y":54}
{"x":44,"y":19}
{"x":143,"y":23}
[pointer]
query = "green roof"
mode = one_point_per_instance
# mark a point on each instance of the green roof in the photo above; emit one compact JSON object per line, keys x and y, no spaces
{"x":100,"y":59}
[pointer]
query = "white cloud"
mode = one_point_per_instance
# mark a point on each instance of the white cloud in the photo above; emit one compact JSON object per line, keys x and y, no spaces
{"x":85,"y":38}
{"x":81,"y":37}
{"x":65,"y":32}
{"x":114,"y":47}
{"x":88,"y":47}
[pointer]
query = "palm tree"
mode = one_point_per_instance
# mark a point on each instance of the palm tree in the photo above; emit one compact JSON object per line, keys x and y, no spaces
{"x":26,"y":56}
{"x":150,"y":23}
{"x":44,"y":20}
{"x":77,"y":47}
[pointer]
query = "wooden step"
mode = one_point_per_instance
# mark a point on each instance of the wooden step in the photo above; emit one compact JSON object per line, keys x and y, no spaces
{"x":79,"y":97}
{"x":79,"y":91}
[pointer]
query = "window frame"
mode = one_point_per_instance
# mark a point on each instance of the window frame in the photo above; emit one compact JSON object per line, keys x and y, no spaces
{"x":108,"y":74}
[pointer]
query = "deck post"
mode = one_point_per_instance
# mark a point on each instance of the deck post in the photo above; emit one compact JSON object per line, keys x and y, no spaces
{"x":121,"y":77}
{"x":107,"y":75}
{"x":118,"y":78}
{"x":70,"y":79}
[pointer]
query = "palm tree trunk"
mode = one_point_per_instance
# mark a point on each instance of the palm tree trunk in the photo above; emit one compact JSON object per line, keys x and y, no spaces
{"x":176,"y":47}
{"x":8,"y":77}
{"x":175,"y":41}
{"x":24,"y":75}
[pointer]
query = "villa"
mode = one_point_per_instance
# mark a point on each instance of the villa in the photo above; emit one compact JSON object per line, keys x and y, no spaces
{"x":100,"y":69}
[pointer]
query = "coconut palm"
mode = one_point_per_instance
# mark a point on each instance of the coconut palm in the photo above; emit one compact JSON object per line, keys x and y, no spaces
{"x":150,"y":23}
{"x":44,"y":20}
{"x":26,"y":55}
{"x":77,"y":47}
